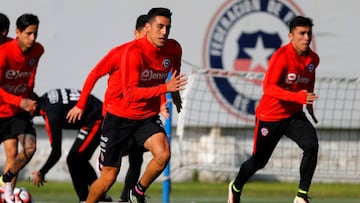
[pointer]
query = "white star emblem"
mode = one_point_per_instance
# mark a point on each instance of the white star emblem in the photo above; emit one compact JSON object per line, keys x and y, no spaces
{"x":259,"y":54}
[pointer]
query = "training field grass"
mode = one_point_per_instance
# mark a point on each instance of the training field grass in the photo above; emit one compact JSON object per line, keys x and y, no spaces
{"x":195,"y":192}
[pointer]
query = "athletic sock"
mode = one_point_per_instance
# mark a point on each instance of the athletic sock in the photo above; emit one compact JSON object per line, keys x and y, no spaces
{"x":302,"y":193}
{"x":235,"y":189}
{"x":8,"y":176}
{"x":140,"y":189}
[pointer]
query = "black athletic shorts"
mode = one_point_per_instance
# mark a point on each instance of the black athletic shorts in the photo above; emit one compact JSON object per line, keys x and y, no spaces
{"x":121,"y":134}
{"x":11,"y":127}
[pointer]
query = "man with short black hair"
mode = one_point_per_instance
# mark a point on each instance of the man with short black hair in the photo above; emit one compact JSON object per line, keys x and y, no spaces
{"x":19,"y":59}
{"x":139,"y":97}
{"x":288,"y":86}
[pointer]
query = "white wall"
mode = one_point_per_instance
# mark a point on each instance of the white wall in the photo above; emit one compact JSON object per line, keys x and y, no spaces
{"x":76,"y":34}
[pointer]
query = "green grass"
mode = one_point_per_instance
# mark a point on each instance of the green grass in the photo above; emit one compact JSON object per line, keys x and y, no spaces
{"x":195,"y":192}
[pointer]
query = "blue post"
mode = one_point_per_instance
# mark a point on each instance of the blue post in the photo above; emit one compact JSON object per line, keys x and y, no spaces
{"x":167,"y":182}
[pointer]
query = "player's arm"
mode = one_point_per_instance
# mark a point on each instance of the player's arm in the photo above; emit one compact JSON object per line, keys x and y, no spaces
{"x":275,"y":75}
{"x":104,"y":67}
{"x":54,"y":130}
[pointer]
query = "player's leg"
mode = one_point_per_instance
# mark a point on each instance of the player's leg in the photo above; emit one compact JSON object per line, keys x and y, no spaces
{"x":304,"y":134}
{"x":266,"y":137}
{"x":133,"y":173}
{"x":28,"y":144}
{"x":11,"y":151}
{"x":81,"y":171}
{"x":101,"y":185}
{"x":155,"y":140}
{"x":159,"y":147}
{"x":113,"y":143}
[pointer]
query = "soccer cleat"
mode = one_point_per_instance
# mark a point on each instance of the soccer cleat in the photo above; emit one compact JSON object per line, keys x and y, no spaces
{"x":8,"y":193}
{"x":233,"y":197}
{"x":301,"y":200}
{"x":136,"y":198}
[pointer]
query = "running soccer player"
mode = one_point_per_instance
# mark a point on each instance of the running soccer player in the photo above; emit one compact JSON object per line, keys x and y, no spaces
{"x":19,"y":59}
{"x":53,"y":107}
{"x":288,"y":85}
{"x":102,"y":69}
{"x":139,"y":94}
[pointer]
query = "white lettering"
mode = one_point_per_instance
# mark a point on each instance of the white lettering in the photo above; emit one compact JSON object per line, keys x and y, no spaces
{"x":226,"y":21}
{"x":21,"y":88}
{"x":292,"y":78}
{"x":274,"y":7}
{"x":241,"y":103}
{"x":15,"y":74}
{"x":148,"y":75}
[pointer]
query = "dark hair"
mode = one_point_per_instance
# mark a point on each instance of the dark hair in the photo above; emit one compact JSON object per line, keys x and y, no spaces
{"x":4,"y":22}
{"x":158,"y":12}
{"x":300,"y":21}
{"x":26,"y":20}
{"x":141,"y":21}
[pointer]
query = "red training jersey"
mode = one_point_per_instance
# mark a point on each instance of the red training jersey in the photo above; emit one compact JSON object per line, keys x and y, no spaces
{"x":144,"y":70}
{"x":288,"y":74}
{"x":17,"y":72}
{"x":109,"y":64}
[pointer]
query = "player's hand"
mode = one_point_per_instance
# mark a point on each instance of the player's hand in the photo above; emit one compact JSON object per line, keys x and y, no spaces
{"x":39,"y":179}
{"x":310,"y":97}
{"x":177,"y":82}
{"x":28,"y":105}
{"x":74,"y":114}
{"x":164,"y":110}
{"x":177,"y":100}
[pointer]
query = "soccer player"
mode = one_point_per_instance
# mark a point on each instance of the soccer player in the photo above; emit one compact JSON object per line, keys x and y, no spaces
{"x":288,"y":85}
{"x":4,"y":29}
{"x":139,"y":89}
{"x":19,"y":59}
{"x":102,"y":69}
{"x":53,"y":107}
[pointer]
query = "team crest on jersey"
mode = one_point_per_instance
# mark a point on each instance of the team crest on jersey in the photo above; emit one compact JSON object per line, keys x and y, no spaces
{"x":311,"y":68}
{"x":166,"y":63}
{"x":264,"y":132}
{"x":242,"y":36}
{"x":32,"y":62}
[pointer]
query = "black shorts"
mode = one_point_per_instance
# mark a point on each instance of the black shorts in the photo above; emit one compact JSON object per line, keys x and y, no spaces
{"x":11,"y":127}
{"x":119,"y":135}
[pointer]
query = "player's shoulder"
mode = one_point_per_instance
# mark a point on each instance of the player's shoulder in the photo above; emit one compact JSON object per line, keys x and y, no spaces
{"x":39,"y":48}
{"x":173,"y":43}
{"x":172,"y":46}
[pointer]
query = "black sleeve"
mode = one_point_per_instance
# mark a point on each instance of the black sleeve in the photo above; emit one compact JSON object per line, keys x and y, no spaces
{"x":54,"y":129}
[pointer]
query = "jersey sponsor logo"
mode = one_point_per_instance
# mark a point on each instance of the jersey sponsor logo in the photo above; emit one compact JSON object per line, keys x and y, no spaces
{"x":293,"y":78}
{"x":16,"y":74}
{"x":148,"y":75}
{"x":242,"y":36}
{"x":16,"y":89}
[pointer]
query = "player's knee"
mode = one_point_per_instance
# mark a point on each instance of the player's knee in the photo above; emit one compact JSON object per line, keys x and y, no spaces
{"x":163,"y":157}
{"x":29,"y":152}
{"x":108,"y":176}
{"x":72,"y":159}
{"x":312,"y":147}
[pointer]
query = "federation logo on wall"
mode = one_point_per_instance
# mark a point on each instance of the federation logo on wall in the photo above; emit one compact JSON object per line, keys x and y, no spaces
{"x":242,"y":36}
